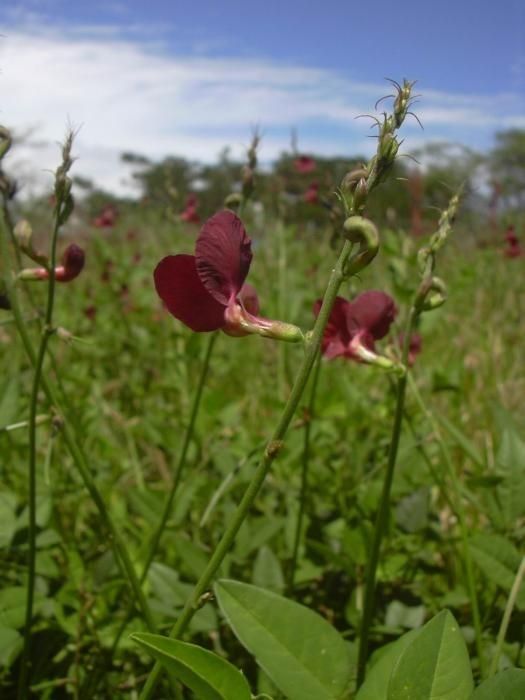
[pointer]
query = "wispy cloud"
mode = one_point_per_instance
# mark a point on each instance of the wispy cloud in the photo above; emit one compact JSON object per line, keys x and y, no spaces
{"x":131,"y":95}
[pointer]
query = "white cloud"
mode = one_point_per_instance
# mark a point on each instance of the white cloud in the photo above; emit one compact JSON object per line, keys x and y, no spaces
{"x":131,"y":95}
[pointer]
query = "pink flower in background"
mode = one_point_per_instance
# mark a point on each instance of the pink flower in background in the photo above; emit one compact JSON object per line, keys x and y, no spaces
{"x":312,"y":193}
{"x":357,"y":323}
{"x":414,"y":347}
{"x":513,"y":249}
{"x":189,"y":213}
{"x":304,"y":165}
{"x":107,"y":217}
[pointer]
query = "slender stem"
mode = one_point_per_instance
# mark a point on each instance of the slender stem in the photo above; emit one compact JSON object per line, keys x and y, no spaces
{"x":272,"y":449}
{"x":383,"y":510}
{"x":462,"y":521}
{"x":168,"y":505}
{"x":304,"y":473}
{"x":79,"y":458}
{"x":25,"y":665}
{"x":511,"y":600}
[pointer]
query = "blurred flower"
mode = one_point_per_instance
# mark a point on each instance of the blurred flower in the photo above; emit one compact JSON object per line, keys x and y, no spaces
{"x":107,"y":217}
{"x":510,"y":236}
{"x":312,"y":193}
{"x":72,"y":265}
{"x":304,"y":165}
{"x":414,"y":346}
{"x":354,"y":326}
{"x":90,"y":312}
{"x":189,"y":213}
{"x":513,"y":249}
{"x":206,"y":291}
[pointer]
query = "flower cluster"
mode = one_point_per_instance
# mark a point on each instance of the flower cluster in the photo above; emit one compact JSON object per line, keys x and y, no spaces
{"x":207,"y":291}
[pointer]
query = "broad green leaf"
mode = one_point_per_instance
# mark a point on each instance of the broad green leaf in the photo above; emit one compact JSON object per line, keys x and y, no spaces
{"x":412,"y":510}
{"x":300,"y":651}
{"x":209,"y":676}
{"x":510,"y":494}
{"x":507,"y":685}
{"x":267,"y":572}
{"x":435,"y":665}
{"x":499,"y":560}
{"x":400,"y":615}
{"x":13,"y":605}
{"x":11,"y":643}
{"x":375,"y":686}
{"x":8,"y":519}
{"x":9,"y":399}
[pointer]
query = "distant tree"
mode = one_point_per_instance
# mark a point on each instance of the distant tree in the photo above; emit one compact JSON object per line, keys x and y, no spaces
{"x":507,"y":166}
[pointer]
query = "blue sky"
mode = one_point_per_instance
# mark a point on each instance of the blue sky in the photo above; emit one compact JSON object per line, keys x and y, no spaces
{"x":190,"y":77}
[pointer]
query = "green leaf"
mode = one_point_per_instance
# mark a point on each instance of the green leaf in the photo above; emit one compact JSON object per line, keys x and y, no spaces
{"x":13,"y":601}
{"x":8,"y":519}
{"x":9,"y":399}
{"x":375,"y":686}
{"x":510,"y":494}
{"x":267,"y":572}
{"x":10,"y":645}
{"x":508,"y":685}
{"x":301,"y":652}
{"x":499,"y":560}
{"x":463,"y":441}
{"x":209,"y":676}
{"x":435,"y":665}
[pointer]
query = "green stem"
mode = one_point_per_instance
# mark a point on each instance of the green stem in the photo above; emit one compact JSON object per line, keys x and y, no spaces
{"x":304,"y":473}
{"x":25,"y":664}
{"x":462,"y":521}
{"x":116,"y":541}
{"x":511,"y":600}
{"x":168,"y":505}
{"x":383,"y":510}
{"x":272,"y":449}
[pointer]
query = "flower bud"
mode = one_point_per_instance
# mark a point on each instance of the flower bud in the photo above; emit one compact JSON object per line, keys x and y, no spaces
{"x":23,"y":233}
{"x":351,"y":179}
{"x":233,"y":200}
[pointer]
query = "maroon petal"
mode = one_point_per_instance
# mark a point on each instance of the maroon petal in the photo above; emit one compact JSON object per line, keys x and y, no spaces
{"x":223,"y":256}
{"x":372,"y":311}
{"x":249,"y":299}
{"x":180,"y":288}
{"x":336,"y":326}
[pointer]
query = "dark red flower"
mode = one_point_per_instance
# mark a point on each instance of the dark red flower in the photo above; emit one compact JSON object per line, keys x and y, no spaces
{"x":206,"y":291}
{"x":189,"y":212}
{"x":201,"y":290}
{"x":312,"y":193}
{"x":304,"y":164}
{"x":513,"y":250}
{"x":107,"y":217}
{"x":355,"y":325}
{"x":72,"y":265}
{"x":414,"y":346}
